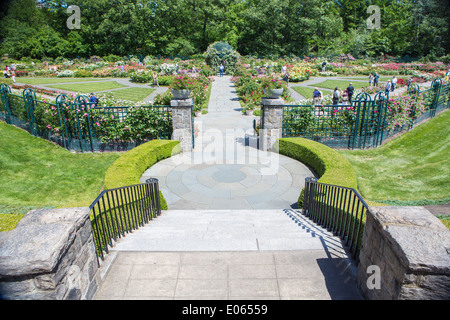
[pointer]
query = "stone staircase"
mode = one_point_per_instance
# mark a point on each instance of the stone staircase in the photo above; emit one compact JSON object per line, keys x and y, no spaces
{"x":231,"y":230}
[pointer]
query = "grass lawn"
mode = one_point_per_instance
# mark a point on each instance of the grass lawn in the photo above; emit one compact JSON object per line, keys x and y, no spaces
{"x":34,"y":81}
{"x":341,"y":84}
{"x":413,"y":169}
{"x":89,"y":87}
{"x":36,"y":173}
{"x":132,"y":93}
{"x":307,"y":92}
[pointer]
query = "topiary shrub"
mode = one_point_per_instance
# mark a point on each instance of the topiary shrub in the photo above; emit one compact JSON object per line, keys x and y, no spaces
{"x":331,"y":166}
{"x":221,"y":52}
{"x":128,"y":168}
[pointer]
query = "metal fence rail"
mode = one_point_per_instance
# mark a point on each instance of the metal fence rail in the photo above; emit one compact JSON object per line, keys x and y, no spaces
{"x":79,"y":125}
{"x":118,"y":211}
{"x":365,"y":123}
{"x":340,"y":210}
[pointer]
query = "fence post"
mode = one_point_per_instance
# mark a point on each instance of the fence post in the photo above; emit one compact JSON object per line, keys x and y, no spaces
{"x":271,"y":123}
{"x":4,"y":90}
{"x":182,"y":121}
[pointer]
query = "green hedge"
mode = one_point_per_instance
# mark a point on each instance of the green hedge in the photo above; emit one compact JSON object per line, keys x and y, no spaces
{"x":331,"y":166}
{"x":128,"y":169}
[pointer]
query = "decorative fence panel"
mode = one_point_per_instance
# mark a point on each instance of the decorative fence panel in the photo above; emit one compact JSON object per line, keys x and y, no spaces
{"x":367,"y":121}
{"x":80,"y":125}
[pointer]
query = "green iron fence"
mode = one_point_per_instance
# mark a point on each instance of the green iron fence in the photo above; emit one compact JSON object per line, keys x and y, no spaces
{"x":367,"y":121}
{"x":80,"y":125}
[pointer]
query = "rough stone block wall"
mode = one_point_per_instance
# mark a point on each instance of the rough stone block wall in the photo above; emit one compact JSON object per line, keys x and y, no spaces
{"x":405,"y":255}
{"x":50,"y":255}
{"x":182,"y":123}
{"x":273,"y":118}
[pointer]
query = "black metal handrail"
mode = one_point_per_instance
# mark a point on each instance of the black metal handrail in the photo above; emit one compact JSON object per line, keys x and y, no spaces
{"x":340,"y":210}
{"x":118,"y":211}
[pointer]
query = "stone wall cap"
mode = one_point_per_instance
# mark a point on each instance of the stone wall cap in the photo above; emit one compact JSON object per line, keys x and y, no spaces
{"x":39,"y":239}
{"x":272,"y":102}
{"x":418,"y":238}
{"x":182,"y":102}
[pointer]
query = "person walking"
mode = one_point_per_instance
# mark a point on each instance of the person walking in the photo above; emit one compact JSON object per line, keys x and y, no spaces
{"x":350,"y":90}
{"x":370,"y":80}
{"x":155,"y":79}
{"x":376,"y":77}
{"x":221,"y":70}
{"x":336,"y":96}
{"x":388,"y":87}
{"x":393,"y":83}
{"x":316,"y":96}
{"x":345,"y":98}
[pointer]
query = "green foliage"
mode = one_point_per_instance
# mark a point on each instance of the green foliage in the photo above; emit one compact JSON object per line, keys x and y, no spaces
{"x":185,"y":28}
{"x":331,"y":167}
{"x":128,"y":169}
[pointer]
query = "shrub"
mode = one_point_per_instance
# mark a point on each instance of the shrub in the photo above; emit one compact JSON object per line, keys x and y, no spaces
{"x":128,"y":169}
{"x":331,"y":166}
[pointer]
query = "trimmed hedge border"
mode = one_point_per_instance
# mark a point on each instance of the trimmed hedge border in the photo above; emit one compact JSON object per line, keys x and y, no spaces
{"x":128,"y":168}
{"x":331,"y":166}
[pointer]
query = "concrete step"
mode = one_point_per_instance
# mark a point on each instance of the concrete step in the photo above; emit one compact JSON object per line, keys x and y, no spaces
{"x":231,"y":230}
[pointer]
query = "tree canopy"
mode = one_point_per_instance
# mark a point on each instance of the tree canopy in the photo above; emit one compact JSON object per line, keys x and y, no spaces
{"x":38,"y":29}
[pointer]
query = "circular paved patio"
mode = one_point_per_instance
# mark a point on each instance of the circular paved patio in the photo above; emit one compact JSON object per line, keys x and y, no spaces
{"x":255,"y":180}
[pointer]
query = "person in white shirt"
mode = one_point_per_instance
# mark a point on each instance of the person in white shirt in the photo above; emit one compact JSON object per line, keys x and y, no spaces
{"x":393,"y":82}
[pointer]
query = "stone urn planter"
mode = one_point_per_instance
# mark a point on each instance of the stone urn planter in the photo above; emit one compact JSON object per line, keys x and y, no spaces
{"x":249,"y":112}
{"x":180,"y":93}
{"x":273,"y":93}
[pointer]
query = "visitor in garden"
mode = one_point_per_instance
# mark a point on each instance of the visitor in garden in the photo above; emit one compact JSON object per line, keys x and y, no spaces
{"x":345,"y":97}
{"x":316,"y":96}
{"x":221,"y":70}
{"x":388,"y":87}
{"x":320,"y":97}
{"x":447,"y":76}
{"x":376,"y":77}
{"x":371,"y":77}
{"x":286,"y":77}
{"x":93,"y":99}
{"x":6,"y":74}
{"x":410,"y":81}
{"x":350,"y":90}
{"x":155,"y":79}
{"x":283,"y":70}
{"x":394,"y":82}
{"x":13,"y":77}
{"x":336,"y":96}
{"x":324,"y":66}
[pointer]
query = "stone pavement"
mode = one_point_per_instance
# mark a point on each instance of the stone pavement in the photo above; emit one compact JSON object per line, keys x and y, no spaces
{"x":220,"y":254}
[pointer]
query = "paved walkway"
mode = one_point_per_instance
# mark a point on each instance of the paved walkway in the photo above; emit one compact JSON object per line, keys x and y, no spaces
{"x":220,"y":254}
{"x":219,"y":240}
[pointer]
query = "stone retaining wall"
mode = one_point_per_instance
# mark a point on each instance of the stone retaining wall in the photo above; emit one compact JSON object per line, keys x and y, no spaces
{"x":50,"y":255}
{"x":405,"y":255}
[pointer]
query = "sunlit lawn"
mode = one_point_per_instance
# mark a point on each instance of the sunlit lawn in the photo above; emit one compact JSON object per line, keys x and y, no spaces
{"x":133,"y":93}
{"x":36,"y":81}
{"x":37,"y":173}
{"x":89,"y":87}
{"x":413,"y":169}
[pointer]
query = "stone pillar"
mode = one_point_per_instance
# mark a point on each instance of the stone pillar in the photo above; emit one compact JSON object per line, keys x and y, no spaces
{"x":50,"y":255}
{"x":271,"y":123}
{"x":182,"y":122}
{"x":405,"y":255}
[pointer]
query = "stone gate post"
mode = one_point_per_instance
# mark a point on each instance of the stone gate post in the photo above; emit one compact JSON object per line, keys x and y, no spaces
{"x":182,"y":122}
{"x":271,"y":123}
